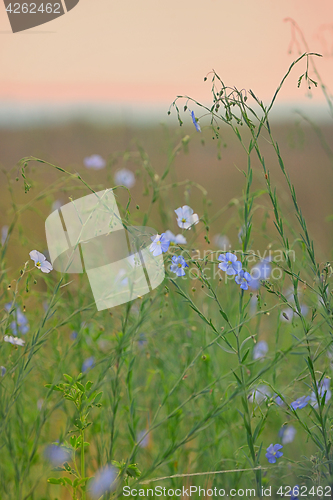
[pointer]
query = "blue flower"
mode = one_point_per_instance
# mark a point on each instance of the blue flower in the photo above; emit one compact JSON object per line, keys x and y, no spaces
{"x":229,"y":263}
{"x":300,"y":403}
{"x":125,"y":178}
{"x":323,"y":387}
{"x":260,"y":350}
{"x":88,"y":364}
{"x":278,"y":400}
{"x":96,"y":162}
{"x":260,"y":271}
{"x":185,"y":217}
{"x":273,"y":452}
{"x":102,"y":482}
{"x":178,"y":265}
{"x":195,"y":122}
{"x":160,"y":244}
{"x":243,"y":279}
{"x":74,"y":335}
{"x":287,"y":434}
{"x":142,"y":340}
{"x":175,"y":240}
{"x":40,"y":261}
{"x":2,"y":371}
{"x":294,"y":493}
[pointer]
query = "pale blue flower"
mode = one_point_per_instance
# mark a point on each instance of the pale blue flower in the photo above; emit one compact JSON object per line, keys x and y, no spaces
{"x":240,"y":235}
{"x":20,"y":323}
{"x":260,"y":271}
{"x":300,"y":403}
{"x":185,"y":217}
{"x":323,"y":387}
{"x":56,"y":205}
{"x":273,"y":453}
{"x":103,"y":482}
{"x":260,"y":350}
{"x":287,"y":434}
{"x":261,"y":393}
{"x":175,"y":240}
{"x":160,"y":244}
{"x":221,"y":241}
{"x":40,"y":261}
{"x":4,"y":234}
{"x":194,"y":120}
{"x":56,"y":454}
{"x":125,"y":177}
{"x":243,"y":279}
{"x":178,"y":265}
{"x":2,"y":371}
{"x":144,"y":441}
{"x":88,"y":364}
{"x":142,"y":340}
{"x":73,"y":335}
{"x":96,"y":162}
{"x":229,"y":263}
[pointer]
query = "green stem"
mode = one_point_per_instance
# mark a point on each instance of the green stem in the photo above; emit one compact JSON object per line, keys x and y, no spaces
{"x":83,"y":474}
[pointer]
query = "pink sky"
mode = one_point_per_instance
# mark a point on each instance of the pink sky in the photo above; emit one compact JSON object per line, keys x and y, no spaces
{"x":149,"y":50}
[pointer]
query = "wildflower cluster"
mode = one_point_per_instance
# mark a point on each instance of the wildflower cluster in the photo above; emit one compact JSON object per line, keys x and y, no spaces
{"x":186,"y":218}
{"x":233,"y":267}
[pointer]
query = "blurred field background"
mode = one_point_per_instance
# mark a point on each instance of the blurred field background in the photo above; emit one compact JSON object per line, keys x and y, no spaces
{"x":310,"y":167}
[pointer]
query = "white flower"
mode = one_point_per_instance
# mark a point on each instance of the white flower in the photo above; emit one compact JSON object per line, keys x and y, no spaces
{"x":125,"y":177}
{"x":40,"y":261}
{"x":186,"y":217}
{"x":14,"y":340}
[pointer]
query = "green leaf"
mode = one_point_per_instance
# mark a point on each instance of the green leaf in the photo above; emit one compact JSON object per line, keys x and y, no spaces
{"x":72,"y":440}
{"x":88,"y":385}
{"x":97,"y":398}
{"x":54,"y":480}
{"x":68,"y":378}
{"x":80,"y":386}
{"x":133,"y":471}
